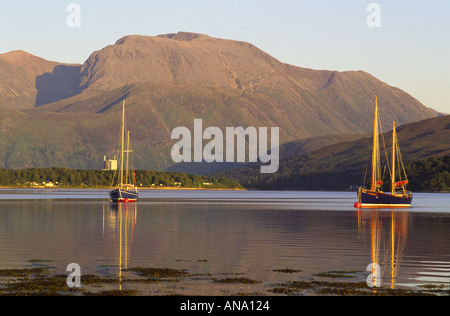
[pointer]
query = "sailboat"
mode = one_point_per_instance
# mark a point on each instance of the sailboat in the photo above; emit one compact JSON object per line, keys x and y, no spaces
{"x":126,"y":190}
{"x":375,"y":197}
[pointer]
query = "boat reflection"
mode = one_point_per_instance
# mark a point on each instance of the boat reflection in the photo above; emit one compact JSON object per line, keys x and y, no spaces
{"x":119,"y":221}
{"x":387,"y":233}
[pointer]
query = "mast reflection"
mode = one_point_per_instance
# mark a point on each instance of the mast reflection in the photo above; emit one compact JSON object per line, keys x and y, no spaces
{"x":387,"y":233}
{"x":119,"y":219}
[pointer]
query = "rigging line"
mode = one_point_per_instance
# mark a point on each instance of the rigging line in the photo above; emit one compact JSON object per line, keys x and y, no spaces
{"x":366,"y":167}
{"x":401,"y":161}
{"x":385,"y":150}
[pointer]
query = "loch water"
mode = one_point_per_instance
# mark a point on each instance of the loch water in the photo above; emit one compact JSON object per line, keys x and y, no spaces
{"x":248,"y":233}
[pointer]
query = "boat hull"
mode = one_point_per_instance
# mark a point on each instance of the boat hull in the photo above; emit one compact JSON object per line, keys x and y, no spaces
{"x":374,"y":199}
{"x":120,"y":195}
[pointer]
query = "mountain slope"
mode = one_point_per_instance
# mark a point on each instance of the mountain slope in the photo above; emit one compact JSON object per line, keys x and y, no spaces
{"x":184,"y":57}
{"x":69,"y":114}
{"x":27,"y":81}
{"x":341,"y":165}
{"x":315,"y":102}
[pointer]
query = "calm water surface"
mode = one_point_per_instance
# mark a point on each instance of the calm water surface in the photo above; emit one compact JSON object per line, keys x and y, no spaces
{"x":247,"y":233}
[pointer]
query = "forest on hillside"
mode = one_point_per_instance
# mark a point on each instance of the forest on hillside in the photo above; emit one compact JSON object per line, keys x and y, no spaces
{"x":430,"y":175}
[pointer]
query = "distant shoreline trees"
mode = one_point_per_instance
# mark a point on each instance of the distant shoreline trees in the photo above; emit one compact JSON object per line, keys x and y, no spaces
{"x":430,"y":175}
{"x":71,"y":178}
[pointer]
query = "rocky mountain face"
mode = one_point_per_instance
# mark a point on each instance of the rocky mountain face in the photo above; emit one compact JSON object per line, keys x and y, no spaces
{"x":68,"y":115}
{"x":27,"y":81}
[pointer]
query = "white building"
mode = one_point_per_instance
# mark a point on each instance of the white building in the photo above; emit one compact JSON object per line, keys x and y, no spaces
{"x":110,"y":164}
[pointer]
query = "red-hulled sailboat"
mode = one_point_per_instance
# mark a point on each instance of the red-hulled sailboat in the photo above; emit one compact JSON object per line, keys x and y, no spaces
{"x":375,"y":197}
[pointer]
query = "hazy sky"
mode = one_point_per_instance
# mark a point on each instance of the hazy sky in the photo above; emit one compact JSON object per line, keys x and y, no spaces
{"x":410,"y":50}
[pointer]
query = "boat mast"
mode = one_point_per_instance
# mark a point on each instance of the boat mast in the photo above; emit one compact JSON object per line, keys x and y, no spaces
{"x":375,"y":147}
{"x":127,"y":163}
{"x":122,"y":136}
{"x":394,"y":143}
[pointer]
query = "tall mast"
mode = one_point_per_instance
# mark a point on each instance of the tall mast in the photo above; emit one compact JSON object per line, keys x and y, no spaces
{"x":394,"y":143}
{"x":375,"y":147}
{"x":122,"y":136}
{"x":127,"y":164}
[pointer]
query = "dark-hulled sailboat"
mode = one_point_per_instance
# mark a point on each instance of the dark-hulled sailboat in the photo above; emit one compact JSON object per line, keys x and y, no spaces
{"x":375,"y":197}
{"x":126,"y":190}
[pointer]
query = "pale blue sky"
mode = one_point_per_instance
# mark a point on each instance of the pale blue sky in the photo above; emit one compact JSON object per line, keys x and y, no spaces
{"x":410,"y":50}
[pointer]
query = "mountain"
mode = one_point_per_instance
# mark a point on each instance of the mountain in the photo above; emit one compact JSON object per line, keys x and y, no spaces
{"x":342,"y":165}
{"x":308,"y":102}
{"x":306,"y":145}
{"x":27,"y":81}
{"x":286,"y":150}
{"x":68,"y":115}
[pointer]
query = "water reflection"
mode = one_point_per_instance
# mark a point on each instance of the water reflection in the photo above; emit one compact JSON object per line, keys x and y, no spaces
{"x":119,"y":222}
{"x":387,"y":232}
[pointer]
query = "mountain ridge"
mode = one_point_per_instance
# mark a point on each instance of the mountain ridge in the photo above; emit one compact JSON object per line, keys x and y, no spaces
{"x":169,"y":80}
{"x":27,"y":81}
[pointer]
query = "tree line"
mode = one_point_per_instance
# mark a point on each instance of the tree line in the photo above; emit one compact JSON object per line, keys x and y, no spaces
{"x":64,"y":177}
{"x":430,"y":175}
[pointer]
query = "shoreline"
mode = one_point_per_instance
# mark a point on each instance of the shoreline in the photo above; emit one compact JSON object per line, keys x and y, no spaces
{"x":187,"y":189}
{"x":41,"y":279}
{"x":111,"y":188}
